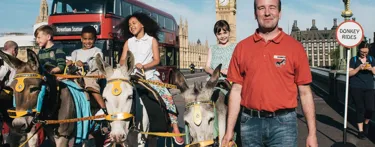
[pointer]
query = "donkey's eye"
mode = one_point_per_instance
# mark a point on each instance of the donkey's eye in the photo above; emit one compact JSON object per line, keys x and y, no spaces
{"x":34,"y":89}
{"x":130,"y":97}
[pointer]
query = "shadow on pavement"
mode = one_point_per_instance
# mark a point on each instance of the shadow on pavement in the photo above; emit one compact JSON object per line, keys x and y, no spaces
{"x":300,"y":117}
{"x":339,"y":108}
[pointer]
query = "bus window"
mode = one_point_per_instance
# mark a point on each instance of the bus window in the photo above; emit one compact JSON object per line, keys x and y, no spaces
{"x":118,"y":8}
{"x":136,"y":9}
{"x":58,"y":7}
{"x":162,"y":56}
{"x":74,"y":6}
{"x":170,"y":57}
{"x":161,"y":21}
{"x":110,"y":6}
{"x":168,"y":24}
{"x":154,"y":16}
{"x":146,"y":12}
{"x":126,"y":9}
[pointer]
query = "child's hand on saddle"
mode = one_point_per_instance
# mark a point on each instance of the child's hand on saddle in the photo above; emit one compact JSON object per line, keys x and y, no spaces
{"x":139,"y":66}
{"x":69,"y":62}
{"x":79,"y":63}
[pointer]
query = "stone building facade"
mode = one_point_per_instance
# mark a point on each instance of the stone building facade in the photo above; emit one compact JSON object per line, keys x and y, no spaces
{"x":318,"y":44}
{"x":191,"y":52}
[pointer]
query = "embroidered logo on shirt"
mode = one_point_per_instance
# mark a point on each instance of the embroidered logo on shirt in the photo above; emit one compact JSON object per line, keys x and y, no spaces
{"x":51,"y":54}
{"x":279,"y":60}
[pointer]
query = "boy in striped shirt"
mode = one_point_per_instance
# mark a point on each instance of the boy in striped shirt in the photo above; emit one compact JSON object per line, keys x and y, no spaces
{"x":51,"y":57}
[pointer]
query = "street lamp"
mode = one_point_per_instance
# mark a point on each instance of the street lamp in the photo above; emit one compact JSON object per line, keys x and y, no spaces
{"x":347,"y":13}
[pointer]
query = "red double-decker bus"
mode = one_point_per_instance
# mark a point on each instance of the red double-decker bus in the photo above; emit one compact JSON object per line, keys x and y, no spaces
{"x":68,"y":17}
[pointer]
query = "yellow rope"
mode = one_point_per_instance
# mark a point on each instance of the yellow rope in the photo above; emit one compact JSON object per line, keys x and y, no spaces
{"x":209,"y":142}
{"x":159,"y":84}
{"x":110,"y":117}
{"x":162,"y":134}
{"x":6,"y":91}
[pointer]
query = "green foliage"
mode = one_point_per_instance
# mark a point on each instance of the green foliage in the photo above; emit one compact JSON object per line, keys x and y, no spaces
{"x":335,"y":55}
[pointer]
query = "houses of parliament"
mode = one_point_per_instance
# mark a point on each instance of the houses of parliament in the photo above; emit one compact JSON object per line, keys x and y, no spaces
{"x":196,"y":52}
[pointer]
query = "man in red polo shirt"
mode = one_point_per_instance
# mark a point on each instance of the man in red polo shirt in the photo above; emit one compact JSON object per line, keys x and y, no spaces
{"x":267,"y":69}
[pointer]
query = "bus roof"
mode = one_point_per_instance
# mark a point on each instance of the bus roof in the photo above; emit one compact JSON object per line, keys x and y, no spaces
{"x":150,"y":8}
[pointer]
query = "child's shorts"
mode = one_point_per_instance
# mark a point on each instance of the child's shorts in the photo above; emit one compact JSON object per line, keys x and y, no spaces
{"x":92,"y":82}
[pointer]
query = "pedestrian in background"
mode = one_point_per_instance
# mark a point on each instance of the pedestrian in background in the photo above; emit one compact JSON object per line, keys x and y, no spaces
{"x":361,"y":87}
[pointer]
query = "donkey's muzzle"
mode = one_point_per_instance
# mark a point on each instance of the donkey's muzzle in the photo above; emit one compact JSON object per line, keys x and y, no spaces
{"x":118,"y":138}
{"x":21,"y":124}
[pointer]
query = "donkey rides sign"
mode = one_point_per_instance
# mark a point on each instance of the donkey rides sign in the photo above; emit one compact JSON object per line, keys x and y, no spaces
{"x":349,"y":34}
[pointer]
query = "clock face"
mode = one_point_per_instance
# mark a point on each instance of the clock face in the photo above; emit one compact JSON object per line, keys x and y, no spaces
{"x":223,"y":2}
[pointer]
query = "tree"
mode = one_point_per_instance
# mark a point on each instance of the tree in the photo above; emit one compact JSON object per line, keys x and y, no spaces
{"x":335,"y":55}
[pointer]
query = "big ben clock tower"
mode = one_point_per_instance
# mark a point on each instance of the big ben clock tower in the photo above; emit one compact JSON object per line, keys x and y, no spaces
{"x":226,"y":10}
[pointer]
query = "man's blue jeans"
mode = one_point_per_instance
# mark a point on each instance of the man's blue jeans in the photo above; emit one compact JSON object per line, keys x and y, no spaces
{"x":279,"y":131}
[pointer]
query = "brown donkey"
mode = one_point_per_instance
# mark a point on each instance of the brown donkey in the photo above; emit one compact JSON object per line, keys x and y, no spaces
{"x":56,"y":105}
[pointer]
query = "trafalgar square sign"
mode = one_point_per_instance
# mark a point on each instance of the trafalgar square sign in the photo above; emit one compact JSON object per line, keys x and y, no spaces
{"x":349,"y":34}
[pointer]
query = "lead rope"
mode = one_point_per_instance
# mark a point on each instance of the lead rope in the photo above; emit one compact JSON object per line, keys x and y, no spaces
{"x":27,"y":140}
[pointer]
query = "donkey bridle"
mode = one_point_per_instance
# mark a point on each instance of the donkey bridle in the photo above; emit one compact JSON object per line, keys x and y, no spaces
{"x":214,"y":142}
{"x":20,"y":86}
{"x":116,"y":90}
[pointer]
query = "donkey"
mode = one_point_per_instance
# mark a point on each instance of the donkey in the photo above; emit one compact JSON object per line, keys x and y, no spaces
{"x":118,"y":96}
{"x":94,"y":105}
{"x":56,"y":105}
{"x":6,"y":99}
{"x":200,"y":103}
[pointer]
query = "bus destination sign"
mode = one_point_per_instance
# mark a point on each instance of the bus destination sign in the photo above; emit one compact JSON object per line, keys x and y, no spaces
{"x":65,"y":29}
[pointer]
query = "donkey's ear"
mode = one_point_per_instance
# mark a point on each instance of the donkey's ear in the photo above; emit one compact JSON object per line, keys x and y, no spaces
{"x":197,"y":87}
{"x":10,"y":60}
{"x":214,"y":77}
{"x":179,"y":80}
{"x":130,"y":63}
{"x":32,"y":59}
{"x":103,"y":67}
{"x":99,"y":63}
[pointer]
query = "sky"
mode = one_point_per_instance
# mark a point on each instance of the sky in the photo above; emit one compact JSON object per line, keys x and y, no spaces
{"x":20,"y":15}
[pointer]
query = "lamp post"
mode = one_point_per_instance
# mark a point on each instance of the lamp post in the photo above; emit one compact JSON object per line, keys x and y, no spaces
{"x":347,"y":13}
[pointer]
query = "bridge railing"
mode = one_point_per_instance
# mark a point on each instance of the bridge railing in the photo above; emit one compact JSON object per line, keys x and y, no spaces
{"x":187,"y":70}
{"x":331,"y":82}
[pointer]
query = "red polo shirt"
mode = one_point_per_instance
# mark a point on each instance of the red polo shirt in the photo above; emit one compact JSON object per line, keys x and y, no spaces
{"x":269,"y":72}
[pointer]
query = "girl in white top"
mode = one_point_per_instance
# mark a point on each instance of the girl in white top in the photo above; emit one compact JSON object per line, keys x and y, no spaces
{"x":140,"y":33}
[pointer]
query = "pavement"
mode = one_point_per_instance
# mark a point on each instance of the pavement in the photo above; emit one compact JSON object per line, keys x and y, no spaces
{"x":329,"y":122}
